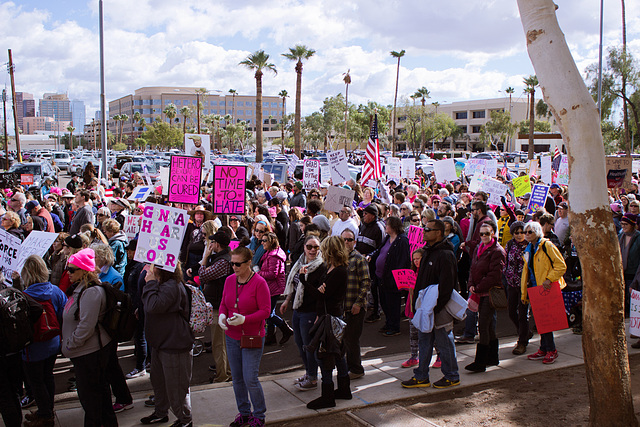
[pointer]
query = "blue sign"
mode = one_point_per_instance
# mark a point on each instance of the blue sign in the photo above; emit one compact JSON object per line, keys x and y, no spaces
{"x":538,"y":198}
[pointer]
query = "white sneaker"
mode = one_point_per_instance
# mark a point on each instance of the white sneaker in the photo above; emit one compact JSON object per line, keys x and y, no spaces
{"x":135,"y":374}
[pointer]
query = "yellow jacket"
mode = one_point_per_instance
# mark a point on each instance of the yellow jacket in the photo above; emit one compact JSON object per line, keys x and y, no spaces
{"x":543,"y":268}
{"x":504,"y":230}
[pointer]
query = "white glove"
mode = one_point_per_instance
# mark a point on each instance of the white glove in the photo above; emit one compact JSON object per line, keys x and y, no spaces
{"x":222,"y":321}
{"x":236,"y":320}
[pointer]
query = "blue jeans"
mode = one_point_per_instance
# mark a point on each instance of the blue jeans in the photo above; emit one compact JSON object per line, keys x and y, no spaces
{"x":546,"y":342}
{"x":274,"y":320}
{"x":245,"y":366}
{"x":443,"y":340}
{"x":470,"y":324}
{"x":302,"y":323}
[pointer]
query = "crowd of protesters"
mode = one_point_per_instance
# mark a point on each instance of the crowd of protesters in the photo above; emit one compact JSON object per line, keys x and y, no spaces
{"x":289,"y":253}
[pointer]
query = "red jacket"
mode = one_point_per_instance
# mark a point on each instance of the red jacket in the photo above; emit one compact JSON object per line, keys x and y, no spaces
{"x":42,"y":212}
{"x":486,"y":269}
{"x":272,"y":270}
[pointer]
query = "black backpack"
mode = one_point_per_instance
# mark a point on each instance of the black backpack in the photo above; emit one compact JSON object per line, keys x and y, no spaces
{"x":119,"y":319}
{"x":18,"y":313}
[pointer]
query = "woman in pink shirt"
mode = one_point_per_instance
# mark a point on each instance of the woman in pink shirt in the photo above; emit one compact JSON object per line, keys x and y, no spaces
{"x":246,"y":304}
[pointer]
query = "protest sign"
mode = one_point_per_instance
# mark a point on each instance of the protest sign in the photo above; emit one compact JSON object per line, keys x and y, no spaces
{"x":635,"y":166}
{"x":459,"y":168}
{"x":545,"y":172}
{"x":164,"y":179}
{"x":292,"y":166}
{"x":131,"y":226}
{"x":619,"y":172}
{"x":198,"y":145}
{"x":409,"y":168}
{"x":229,"y":187}
{"x":9,"y":248}
{"x":491,"y":168}
{"x":36,"y":243}
{"x":476,"y":182}
{"x":161,"y":233}
{"x":311,"y":174}
{"x":26,"y":179}
{"x":147,"y":177}
{"x":495,"y":189}
{"x":234,"y":244}
{"x":521,"y":185}
{"x":474,"y":166}
{"x":337,"y":198}
{"x":538,"y":197}
{"x":533,"y":167}
{"x":140,"y":193}
{"x":445,"y":170}
{"x":634,"y":313}
{"x":393,"y":168}
{"x":325,"y":173}
{"x":548,"y":308}
{"x":338,"y":166}
{"x":184,"y":179}
{"x":416,"y":239}
{"x":405,"y":278}
{"x":563,"y":171}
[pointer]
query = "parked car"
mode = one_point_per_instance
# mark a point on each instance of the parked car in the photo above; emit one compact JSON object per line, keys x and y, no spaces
{"x":128,"y":169}
{"x":39,"y":170}
{"x":62,"y":159}
{"x":77,"y":165}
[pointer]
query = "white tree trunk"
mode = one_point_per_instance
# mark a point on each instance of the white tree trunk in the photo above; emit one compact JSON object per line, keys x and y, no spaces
{"x":593,"y":232}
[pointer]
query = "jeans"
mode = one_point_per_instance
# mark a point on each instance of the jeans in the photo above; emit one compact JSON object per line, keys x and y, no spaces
{"x":352,"y":333}
{"x":390,"y":302}
{"x":219,"y":351}
{"x":245,"y":366}
{"x":547,"y":343}
{"x":116,"y":378}
{"x":10,"y":384}
{"x":519,"y":314}
{"x":43,"y":387}
{"x":140,"y":343}
{"x":442,"y":339}
{"x":93,"y":387}
{"x":470,"y":324}
{"x":274,"y":320}
{"x":486,"y":321}
{"x":302,"y":323}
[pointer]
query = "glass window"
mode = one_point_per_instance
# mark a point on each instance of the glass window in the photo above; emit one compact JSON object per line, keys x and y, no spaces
{"x":221,"y":103}
{"x":213,"y":103}
{"x":157,"y":102}
{"x":265,"y":104}
{"x":475,"y":129}
{"x":461,"y":115}
{"x":478,"y":114}
{"x":177,"y":102}
{"x":240,"y":112}
{"x":463,"y":129}
{"x":274,"y":104}
{"x":240,"y":104}
{"x":249,"y":112}
{"x":137,"y":102}
{"x":248,"y":104}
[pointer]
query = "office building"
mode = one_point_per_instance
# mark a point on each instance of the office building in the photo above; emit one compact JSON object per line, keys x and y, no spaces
{"x":55,"y":105}
{"x":25,"y":107}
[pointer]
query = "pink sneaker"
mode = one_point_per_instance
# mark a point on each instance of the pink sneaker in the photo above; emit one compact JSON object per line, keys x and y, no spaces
{"x":437,"y":363}
{"x":410,"y":363}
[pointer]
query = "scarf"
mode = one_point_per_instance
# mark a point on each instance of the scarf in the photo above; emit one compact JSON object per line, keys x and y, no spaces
{"x":482,"y":247}
{"x":293,"y":275}
{"x":530,"y":251}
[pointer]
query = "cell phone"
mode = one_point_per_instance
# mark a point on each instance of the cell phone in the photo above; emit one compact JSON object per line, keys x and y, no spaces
{"x":232,"y":317}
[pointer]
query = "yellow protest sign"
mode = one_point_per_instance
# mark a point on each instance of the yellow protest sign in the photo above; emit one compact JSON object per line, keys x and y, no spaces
{"x":521,"y":186}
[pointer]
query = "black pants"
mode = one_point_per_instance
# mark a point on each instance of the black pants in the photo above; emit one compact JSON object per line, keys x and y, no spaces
{"x":10,"y":385}
{"x":352,"y":333}
{"x":375,"y":288}
{"x":93,"y":387}
{"x":390,"y":302}
{"x":486,"y":323}
{"x":519,"y":314}
{"x":40,"y":377}
{"x":116,"y":378}
{"x":140,"y":342}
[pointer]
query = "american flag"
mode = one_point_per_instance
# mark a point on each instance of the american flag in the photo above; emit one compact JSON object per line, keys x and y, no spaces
{"x":505,"y":171}
{"x":372,"y":167}
{"x":556,"y":159}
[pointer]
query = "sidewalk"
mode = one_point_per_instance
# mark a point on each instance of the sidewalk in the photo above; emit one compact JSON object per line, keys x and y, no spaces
{"x":214,"y":405}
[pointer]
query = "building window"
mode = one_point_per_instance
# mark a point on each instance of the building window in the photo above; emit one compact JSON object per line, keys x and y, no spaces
{"x":177,"y":102}
{"x":240,"y":112}
{"x":221,"y":103}
{"x":461,"y":115}
{"x":478,"y":114}
{"x":240,"y":104}
{"x":274,"y":105}
{"x":249,"y":112}
{"x":157,"y":102}
{"x":463,"y":129}
{"x":248,"y":104}
{"x":475,"y":129}
{"x":213,"y":103}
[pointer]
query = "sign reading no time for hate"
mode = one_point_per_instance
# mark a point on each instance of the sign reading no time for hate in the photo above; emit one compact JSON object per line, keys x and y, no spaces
{"x":184,"y":179}
{"x":229,"y":186}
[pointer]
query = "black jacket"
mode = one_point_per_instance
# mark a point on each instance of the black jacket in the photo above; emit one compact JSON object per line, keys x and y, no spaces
{"x":212,"y":290}
{"x":399,"y":257}
{"x":438,"y":266}
{"x":369,"y":237}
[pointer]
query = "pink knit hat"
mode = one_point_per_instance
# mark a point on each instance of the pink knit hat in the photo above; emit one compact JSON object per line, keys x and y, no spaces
{"x":84,"y":259}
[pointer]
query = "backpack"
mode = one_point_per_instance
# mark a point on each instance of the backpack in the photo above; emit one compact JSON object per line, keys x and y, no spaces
{"x":119,"y":319}
{"x":47,"y":326}
{"x":17,"y":315}
{"x":201,"y":312}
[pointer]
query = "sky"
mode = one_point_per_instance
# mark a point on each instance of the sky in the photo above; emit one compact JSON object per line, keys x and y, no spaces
{"x":458,"y":49}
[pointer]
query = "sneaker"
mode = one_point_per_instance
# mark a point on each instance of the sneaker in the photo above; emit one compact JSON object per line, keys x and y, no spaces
{"x":240,"y":421}
{"x":72,"y":386}
{"x":154,"y":419}
{"x":135,"y":374}
{"x":307,"y":384}
{"x":27,"y":402}
{"x":255,"y":422}
{"x":410,"y":363}
{"x":150,"y":402}
{"x":120,"y":407}
{"x":177,"y":423}
{"x":445,"y":383}
{"x":372,"y":318}
{"x":437,"y":364}
{"x":383,"y":329}
{"x":550,"y":357}
{"x":299,"y":380}
{"x":355,"y":376}
{"x":465,"y":340}
{"x":414,"y":383}
{"x":539,"y":355}
{"x":519,"y":349}
{"x":391,"y":333}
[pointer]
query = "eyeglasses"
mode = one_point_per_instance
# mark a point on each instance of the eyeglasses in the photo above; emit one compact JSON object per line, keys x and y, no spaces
{"x":264,"y":241}
{"x":238,"y":264}
{"x":72,"y":270}
{"x":517,"y":233}
{"x":349,"y":239}
{"x":101,"y":215}
{"x":404,"y":209}
{"x":427,"y":229}
{"x":485,"y":234}
{"x":261,"y":231}
{"x":312,"y":247}
{"x":234,"y":219}
{"x":529,"y":232}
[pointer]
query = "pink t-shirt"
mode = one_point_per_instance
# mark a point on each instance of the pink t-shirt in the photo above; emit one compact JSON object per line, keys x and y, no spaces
{"x":254,"y":302}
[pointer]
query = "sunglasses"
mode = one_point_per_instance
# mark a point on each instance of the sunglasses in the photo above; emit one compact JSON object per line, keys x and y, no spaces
{"x":485,"y":233}
{"x":349,"y":239}
{"x":427,"y":229}
{"x":264,"y":241}
{"x":72,"y":270}
{"x":517,"y":233}
{"x":261,"y":231}
{"x":238,"y":264}
{"x":312,"y":247}
{"x":529,"y":232}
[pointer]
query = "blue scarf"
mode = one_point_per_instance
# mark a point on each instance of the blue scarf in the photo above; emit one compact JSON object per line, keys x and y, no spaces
{"x":531,"y":249}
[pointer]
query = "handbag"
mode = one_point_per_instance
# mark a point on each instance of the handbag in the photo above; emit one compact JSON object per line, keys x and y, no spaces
{"x":498,"y":298}
{"x":247,"y":341}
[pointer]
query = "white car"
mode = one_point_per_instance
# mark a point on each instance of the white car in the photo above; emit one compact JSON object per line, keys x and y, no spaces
{"x":62,"y":159}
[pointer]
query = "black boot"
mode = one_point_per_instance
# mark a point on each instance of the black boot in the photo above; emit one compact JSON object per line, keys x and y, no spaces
{"x":480,"y":364}
{"x":344,"y":388}
{"x":270,"y":338}
{"x":326,"y":400}
{"x":287,"y":333}
{"x":493,"y":359}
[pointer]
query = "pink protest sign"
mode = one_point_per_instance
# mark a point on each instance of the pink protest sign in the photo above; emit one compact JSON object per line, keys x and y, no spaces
{"x":414,"y":233}
{"x":229,"y":186}
{"x":234,"y":244}
{"x":405,"y":278}
{"x":548,"y":308}
{"x":184,"y":179}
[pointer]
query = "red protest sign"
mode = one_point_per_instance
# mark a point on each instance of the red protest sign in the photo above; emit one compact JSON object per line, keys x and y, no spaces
{"x":405,"y":278}
{"x":416,"y":239}
{"x":548,"y":308}
{"x":26,"y":179}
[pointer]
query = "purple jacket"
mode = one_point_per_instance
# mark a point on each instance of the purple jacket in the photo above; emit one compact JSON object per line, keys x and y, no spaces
{"x":272,"y":270}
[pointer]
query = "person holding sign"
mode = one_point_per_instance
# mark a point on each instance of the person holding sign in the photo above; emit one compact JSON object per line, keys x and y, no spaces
{"x":543,"y":265}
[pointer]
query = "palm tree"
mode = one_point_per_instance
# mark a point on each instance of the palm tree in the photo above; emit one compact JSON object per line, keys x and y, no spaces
{"x":123,"y":118}
{"x":185,"y":112}
{"x":136,"y":119}
{"x":170,"y":111}
{"x":257,"y":62}
{"x":347,"y":81}
{"x":510,"y":91}
{"x":395,"y":99}
{"x":283,"y":94}
{"x":531,"y":82}
{"x":423,"y":93}
{"x":233,"y":92}
{"x":70,"y":129}
{"x":298,"y":53}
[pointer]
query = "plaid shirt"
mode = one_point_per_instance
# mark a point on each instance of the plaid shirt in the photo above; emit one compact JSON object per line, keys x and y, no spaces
{"x":358,"y":281}
{"x":220,"y":268}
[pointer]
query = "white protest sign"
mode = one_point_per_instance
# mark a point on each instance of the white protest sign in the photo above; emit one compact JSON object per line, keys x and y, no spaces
{"x":533,"y":167}
{"x":199,"y":145}
{"x":495,"y":189}
{"x":445,"y":170}
{"x":164,"y":179}
{"x":491,"y":168}
{"x":338,"y":166}
{"x":474,"y":167}
{"x":393,"y":168}
{"x":337,"y":198}
{"x":546,"y":169}
{"x":634,"y":313}
{"x":563,"y":171}
{"x":147,"y":177}
{"x":36,"y":243}
{"x":311,"y":174}
{"x":635,"y":166}
{"x":131,"y":226}
{"x":476,"y":182}
{"x":161,"y":233}
{"x":9,"y":248}
{"x":140,"y":193}
{"x":292,"y":166}
{"x":409,"y":168}
{"x":325,"y":174}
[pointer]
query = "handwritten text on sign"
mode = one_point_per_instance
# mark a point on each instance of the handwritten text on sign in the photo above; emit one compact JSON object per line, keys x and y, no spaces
{"x":184,"y":179}
{"x":634,"y":321}
{"x":229,"y":189}
{"x":548,"y":308}
{"x":9,"y":247}
{"x":405,"y":278}
{"x":161,"y":233}
{"x":416,"y":239}
{"x":311,"y":174}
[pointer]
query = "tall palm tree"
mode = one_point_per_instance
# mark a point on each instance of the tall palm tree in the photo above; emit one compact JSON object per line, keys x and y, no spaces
{"x":531,"y":82}
{"x":135,"y":119}
{"x":510,"y":91}
{"x":259,"y":61}
{"x":70,"y":129}
{"x":625,"y":115}
{"x":298,"y":53}
{"x":123,"y":118}
{"x":395,"y":99}
{"x":233,"y":93}
{"x":347,"y":81}
{"x":423,"y":93}
{"x":185,"y":112}
{"x":284,"y":95}
{"x":170,"y":111}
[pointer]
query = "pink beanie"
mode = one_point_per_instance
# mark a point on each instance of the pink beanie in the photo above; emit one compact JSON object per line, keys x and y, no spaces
{"x":85,"y":259}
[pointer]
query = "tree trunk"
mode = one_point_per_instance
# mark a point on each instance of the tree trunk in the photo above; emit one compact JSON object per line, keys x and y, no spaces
{"x":296,"y":132}
{"x":603,"y":341}
{"x":625,"y":114}
{"x":284,"y":113}
{"x":395,"y":99}
{"x":532,"y":121}
{"x":258,"y":116}
{"x":423,"y":143}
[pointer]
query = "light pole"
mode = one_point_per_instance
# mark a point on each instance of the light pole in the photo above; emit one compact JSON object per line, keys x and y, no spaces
{"x":103,"y":107}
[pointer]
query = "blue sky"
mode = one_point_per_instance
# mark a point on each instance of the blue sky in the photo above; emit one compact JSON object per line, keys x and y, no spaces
{"x":458,"y":49}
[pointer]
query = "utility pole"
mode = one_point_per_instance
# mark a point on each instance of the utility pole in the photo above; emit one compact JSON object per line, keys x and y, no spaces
{"x":15,"y":111}
{"x":103,"y":108}
{"x":6,"y":136}
{"x":198,"y":110}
